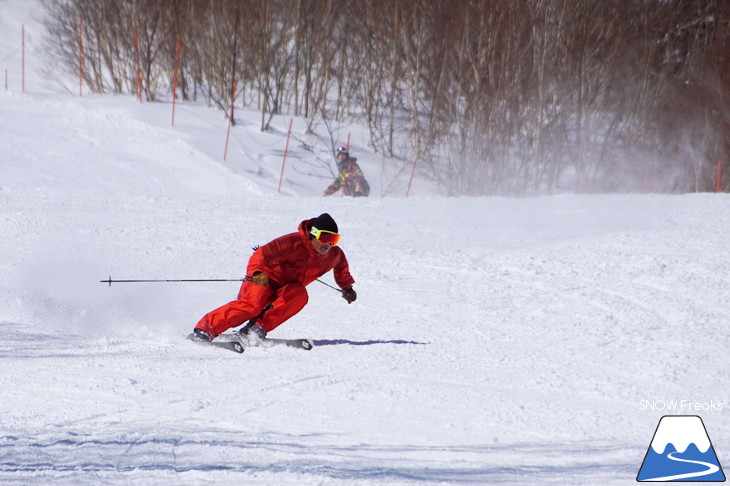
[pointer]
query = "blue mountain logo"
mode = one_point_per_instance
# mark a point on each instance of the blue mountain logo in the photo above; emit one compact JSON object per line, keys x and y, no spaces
{"x":681,"y":451}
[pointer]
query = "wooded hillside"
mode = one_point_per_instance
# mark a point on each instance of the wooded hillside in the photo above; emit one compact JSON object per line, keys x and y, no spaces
{"x":508,"y":97}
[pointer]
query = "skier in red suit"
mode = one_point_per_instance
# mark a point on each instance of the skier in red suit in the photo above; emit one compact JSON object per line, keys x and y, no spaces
{"x":277,"y":274}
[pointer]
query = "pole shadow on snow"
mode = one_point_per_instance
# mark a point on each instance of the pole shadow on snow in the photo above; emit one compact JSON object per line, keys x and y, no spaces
{"x":337,"y":342}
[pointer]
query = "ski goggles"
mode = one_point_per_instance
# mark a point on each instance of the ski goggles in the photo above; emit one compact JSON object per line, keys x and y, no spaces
{"x":326,"y":237}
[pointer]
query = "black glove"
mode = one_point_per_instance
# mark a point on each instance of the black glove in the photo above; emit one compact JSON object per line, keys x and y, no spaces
{"x":349,"y":295}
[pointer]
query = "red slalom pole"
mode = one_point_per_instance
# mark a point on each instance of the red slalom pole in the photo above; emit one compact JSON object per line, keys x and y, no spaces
{"x":286,"y":149}
{"x":230,"y":118}
{"x":342,"y":191}
{"x":81,"y":58}
{"x":718,"y":183}
{"x":413,"y":171}
{"x":22,"y":62}
{"x":139,"y":66}
{"x":174,"y":82}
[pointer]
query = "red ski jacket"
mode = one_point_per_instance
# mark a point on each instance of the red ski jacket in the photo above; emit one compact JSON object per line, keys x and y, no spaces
{"x":292,"y":259}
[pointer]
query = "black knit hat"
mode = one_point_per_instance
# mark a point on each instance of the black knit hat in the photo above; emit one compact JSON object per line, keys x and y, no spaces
{"x":325,"y":222}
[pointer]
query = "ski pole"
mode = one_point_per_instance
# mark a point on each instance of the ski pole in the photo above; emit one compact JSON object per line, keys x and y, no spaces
{"x":110,"y":281}
{"x":328,"y":285}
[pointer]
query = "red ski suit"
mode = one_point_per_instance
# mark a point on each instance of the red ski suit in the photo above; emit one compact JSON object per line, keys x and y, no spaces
{"x":291,"y":263}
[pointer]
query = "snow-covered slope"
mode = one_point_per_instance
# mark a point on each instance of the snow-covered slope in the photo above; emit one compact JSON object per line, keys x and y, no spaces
{"x":493,"y":340}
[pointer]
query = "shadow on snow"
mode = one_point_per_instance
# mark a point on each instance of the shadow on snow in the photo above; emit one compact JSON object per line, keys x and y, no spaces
{"x":337,"y":342}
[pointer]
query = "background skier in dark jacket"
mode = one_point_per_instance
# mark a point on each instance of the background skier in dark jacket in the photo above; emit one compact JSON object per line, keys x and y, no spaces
{"x":350,"y":178}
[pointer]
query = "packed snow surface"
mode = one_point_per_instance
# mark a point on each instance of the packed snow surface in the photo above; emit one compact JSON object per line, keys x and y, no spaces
{"x":494,"y":340}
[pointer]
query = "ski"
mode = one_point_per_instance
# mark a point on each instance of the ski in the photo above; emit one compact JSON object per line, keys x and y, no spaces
{"x":234,"y":346}
{"x":304,"y":344}
{"x":232,"y":342}
{"x":265,"y":342}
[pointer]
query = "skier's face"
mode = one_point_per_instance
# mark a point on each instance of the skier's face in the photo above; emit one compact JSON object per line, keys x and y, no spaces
{"x":321,"y":248}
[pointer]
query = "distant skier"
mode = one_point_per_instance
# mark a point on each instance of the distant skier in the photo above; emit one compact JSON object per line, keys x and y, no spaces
{"x":350,"y":178}
{"x":277,"y":274}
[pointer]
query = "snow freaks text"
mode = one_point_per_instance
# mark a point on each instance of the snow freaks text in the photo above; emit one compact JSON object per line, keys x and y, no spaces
{"x":680,"y":406}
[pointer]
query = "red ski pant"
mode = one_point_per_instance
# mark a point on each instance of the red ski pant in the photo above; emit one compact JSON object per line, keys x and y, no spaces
{"x":286,"y":299}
